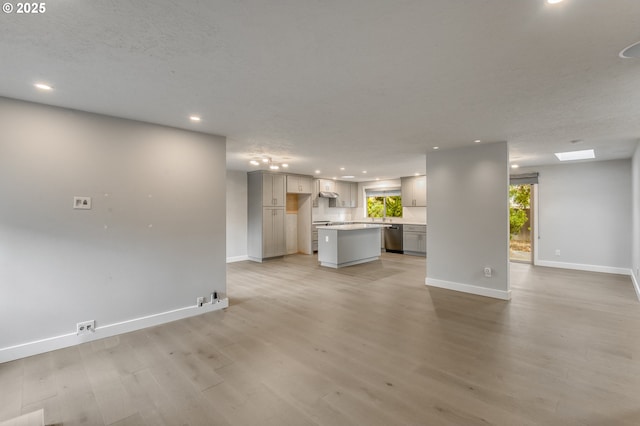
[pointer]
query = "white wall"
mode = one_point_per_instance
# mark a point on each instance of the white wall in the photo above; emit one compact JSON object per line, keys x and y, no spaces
{"x":153,"y":241}
{"x":468,"y":219}
{"x":585,"y":212}
{"x":236,"y":215}
{"x":635,"y":234}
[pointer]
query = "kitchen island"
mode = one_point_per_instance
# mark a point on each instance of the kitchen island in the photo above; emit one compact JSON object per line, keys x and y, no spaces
{"x":345,"y":245}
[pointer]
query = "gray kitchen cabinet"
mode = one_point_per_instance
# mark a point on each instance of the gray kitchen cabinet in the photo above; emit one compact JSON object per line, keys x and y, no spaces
{"x":327,"y":185}
{"x":347,"y":195}
{"x":273,"y":232}
{"x":354,"y":195}
{"x":273,"y":190}
{"x":414,"y":240}
{"x":266,"y":215}
{"x":414,"y":191}
{"x":299,"y":184}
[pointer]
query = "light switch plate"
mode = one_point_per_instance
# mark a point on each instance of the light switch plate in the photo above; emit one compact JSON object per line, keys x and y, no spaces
{"x":83,"y":203}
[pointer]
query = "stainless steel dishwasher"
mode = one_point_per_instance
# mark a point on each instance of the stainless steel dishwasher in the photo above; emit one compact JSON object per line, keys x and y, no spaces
{"x":393,"y":238}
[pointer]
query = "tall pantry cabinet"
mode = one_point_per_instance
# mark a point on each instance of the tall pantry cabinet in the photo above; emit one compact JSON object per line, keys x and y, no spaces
{"x":266,"y":215}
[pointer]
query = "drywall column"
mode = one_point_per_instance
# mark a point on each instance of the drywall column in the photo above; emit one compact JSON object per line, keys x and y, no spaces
{"x":635,"y":233}
{"x":152,"y":242}
{"x":468,"y":219}
{"x":236,"y":216}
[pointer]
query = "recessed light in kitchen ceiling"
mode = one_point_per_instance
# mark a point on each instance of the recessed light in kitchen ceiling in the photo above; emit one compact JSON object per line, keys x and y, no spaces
{"x":514,"y":166}
{"x":632,"y":51}
{"x":254,"y":162}
{"x":364,"y":171}
{"x":195,"y":118}
{"x":341,"y":168}
{"x":554,"y":1}
{"x":477,"y":141}
{"x":347,"y":177}
{"x":285,"y":165}
{"x":317,"y":172}
{"x":436,"y":147}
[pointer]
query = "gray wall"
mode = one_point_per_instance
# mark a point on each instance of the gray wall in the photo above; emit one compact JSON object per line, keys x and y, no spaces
{"x":153,"y":242}
{"x":236,"y":215}
{"x":468,"y":219}
{"x":585,"y":212}
{"x":635,"y":235}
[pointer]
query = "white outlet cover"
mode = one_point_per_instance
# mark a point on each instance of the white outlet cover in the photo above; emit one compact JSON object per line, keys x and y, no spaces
{"x":82,"y":203}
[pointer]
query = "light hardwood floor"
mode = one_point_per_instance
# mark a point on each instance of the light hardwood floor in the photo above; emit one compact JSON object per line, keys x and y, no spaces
{"x":364,"y":345}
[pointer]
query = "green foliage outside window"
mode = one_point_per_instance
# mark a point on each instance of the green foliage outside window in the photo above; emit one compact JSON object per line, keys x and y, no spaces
{"x":390,"y":206}
{"x":394,"y":206}
{"x":519,"y":202}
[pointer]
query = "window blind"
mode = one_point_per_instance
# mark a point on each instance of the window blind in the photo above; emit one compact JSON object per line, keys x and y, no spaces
{"x":523,"y":179}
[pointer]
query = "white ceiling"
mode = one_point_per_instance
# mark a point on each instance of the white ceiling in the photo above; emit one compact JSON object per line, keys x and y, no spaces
{"x":363,"y":84}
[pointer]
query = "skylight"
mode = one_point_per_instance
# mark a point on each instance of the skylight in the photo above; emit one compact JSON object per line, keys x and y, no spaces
{"x":585,"y":154}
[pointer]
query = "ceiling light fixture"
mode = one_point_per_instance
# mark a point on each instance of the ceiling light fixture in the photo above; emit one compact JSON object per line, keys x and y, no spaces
{"x":254,"y":162}
{"x":585,"y":154}
{"x":274,"y":166}
{"x":195,"y":118}
{"x":317,"y":172}
{"x":364,"y":171}
{"x":416,"y":174}
{"x":477,"y":141}
{"x":514,"y":166}
{"x":436,"y":147}
{"x":266,"y":160}
{"x":553,"y":1}
{"x":341,"y":168}
{"x":347,"y":177}
{"x":285,"y":165}
{"x":43,"y":86}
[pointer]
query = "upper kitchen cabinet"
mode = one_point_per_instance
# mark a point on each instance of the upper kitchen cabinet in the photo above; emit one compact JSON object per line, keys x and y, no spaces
{"x":414,"y":191}
{"x":327,"y":185}
{"x":347,"y":195}
{"x":273,"y":190}
{"x":297,"y":184}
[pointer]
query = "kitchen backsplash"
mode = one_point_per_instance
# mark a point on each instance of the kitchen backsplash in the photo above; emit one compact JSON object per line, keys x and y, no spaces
{"x":324,"y":212}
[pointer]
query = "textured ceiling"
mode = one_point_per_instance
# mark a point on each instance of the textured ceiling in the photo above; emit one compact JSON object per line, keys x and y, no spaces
{"x":366,"y":85}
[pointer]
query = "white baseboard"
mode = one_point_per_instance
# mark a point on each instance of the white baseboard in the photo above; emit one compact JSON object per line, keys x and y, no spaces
{"x":237,"y":258}
{"x":584,"y":267}
{"x":71,"y":339}
{"x":636,"y":285}
{"x":469,"y":288}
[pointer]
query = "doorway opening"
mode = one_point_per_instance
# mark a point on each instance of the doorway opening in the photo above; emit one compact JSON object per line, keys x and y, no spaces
{"x":521,"y":223}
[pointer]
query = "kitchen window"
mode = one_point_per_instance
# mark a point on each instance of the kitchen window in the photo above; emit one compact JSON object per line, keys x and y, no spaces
{"x":384,"y":203}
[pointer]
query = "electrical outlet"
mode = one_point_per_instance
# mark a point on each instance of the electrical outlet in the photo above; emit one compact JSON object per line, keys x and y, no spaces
{"x":83,"y":203}
{"x":86,"y":327}
{"x":487,"y":272}
{"x":200,"y":301}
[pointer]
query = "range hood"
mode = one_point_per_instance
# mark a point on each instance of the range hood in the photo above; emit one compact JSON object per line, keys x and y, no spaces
{"x":327,"y":194}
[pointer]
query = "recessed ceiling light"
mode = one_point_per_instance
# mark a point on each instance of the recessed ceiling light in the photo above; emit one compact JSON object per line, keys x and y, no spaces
{"x":274,"y":167}
{"x":254,"y":162}
{"x":265,"y":160}
{"x":377,"y":178}
{"x":43,"y":86}
{"x":285,"y":165}
{"x":514,"y":166}
{"x":436,"y":147}
{"x":576,"y":155}
{"x":553,"y":1}
{"x":347,"y":177}
{"x":317,"y":172}
{"x":195,"y":118}
{"x":334,"y":178}
{"x":477,"y":141}
{"x":416,"y":174}
{"x":364,"y":171}
{"x":341,"y":168}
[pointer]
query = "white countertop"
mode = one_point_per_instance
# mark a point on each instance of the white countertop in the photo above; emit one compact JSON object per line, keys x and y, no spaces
{"x":356,"y":226}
